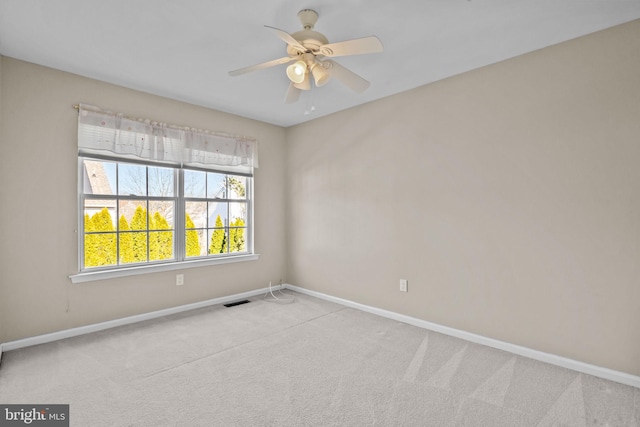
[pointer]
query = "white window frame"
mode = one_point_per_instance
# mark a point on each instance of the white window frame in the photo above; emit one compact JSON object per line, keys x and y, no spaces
{"x":180,"y":260}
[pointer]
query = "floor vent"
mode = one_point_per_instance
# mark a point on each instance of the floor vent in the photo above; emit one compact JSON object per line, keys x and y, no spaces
{"x":233,"y":304}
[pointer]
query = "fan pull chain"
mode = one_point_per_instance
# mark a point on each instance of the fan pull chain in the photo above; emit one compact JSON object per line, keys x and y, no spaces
{"x":310,"y":107}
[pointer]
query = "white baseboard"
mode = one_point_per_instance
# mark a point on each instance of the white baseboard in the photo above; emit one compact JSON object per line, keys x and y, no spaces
{"x":597,"y":371}
{"x":68,"y":333}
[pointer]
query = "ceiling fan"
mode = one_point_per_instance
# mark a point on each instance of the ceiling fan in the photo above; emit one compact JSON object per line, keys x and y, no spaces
{"x":310,"y":52}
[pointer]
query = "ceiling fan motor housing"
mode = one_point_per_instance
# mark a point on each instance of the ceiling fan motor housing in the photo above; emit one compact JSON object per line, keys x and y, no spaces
{"x":311,"y":40}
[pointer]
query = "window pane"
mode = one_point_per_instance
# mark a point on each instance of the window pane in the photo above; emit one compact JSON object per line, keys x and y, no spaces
{"x":161,"y":215}
{"x":161,"y":182}
{"x":237,"y":187}
{"x":196,"y":212}
{"x":99,"y":177}
{"x":218,"y":241}
{"x":238,"y":214}
{"x":99,"y":215}
{"x":216,"y":186}
{"x":125,"y":245}
{"x":195,"y":244}
{"x":138,"y":247}
{"x":133,"y":215}
{"x":132,"y":180}
{"x":99,"y":249}
{"x":194,"y":184}
{"x":160,"y":245}
{"x":217,"y":214}
{"x":237,"y":239}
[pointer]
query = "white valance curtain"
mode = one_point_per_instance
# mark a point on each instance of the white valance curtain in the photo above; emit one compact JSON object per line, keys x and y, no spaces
{"x":106,"y":133}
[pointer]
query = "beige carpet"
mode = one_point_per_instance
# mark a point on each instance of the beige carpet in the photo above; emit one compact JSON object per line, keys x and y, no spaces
{"x":310,"y":363}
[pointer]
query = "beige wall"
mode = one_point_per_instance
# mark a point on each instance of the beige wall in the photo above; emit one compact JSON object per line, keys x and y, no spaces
{"x":38,"y":171}
{"x":508,"y":196}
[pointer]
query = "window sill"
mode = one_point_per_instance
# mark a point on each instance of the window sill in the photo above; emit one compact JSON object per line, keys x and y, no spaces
{"x":90,"y":276}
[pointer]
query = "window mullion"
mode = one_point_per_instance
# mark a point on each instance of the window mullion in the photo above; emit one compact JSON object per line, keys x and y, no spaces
{"x":249,"y":204}
{"x":148,"y":210}
{"x":117,"y":227}
{"x":228,"y":220}
{"x":180,"y":215}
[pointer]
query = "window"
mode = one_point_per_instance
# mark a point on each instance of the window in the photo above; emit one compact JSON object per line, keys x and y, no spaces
{"x":136,"y":214}
{"x":160,"y":197}
{"x":216,"y":211}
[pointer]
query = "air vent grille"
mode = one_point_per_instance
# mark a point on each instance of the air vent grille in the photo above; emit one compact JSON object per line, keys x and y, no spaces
{"x":233,"y":304}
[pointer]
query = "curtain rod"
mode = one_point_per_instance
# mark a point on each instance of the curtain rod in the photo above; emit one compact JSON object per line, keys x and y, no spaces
{"x":223,"y":134}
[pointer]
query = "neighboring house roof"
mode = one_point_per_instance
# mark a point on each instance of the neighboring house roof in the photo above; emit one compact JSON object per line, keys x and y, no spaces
{"x":97,"y":178}
{"x":97,"y":182}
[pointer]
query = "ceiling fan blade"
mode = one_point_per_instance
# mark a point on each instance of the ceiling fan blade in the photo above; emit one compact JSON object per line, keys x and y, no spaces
{"x":352,"y":47}
{"x":345,"y":76}
{"x":261,"y":66}
{"x":293,"y":94}
{"x":288,"y":39}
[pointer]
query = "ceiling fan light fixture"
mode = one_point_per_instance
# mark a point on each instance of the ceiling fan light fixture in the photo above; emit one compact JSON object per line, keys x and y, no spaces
{"x":320,"y":74}
{"x":297,"y":71}
{"x":304,"y":84}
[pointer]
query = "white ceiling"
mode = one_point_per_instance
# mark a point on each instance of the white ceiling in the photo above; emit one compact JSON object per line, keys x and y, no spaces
{"x":184,"y":49}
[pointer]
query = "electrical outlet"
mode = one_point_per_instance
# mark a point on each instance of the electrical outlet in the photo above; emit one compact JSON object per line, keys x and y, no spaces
{"x":404,"y":285}
{"x":179,"y":279}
